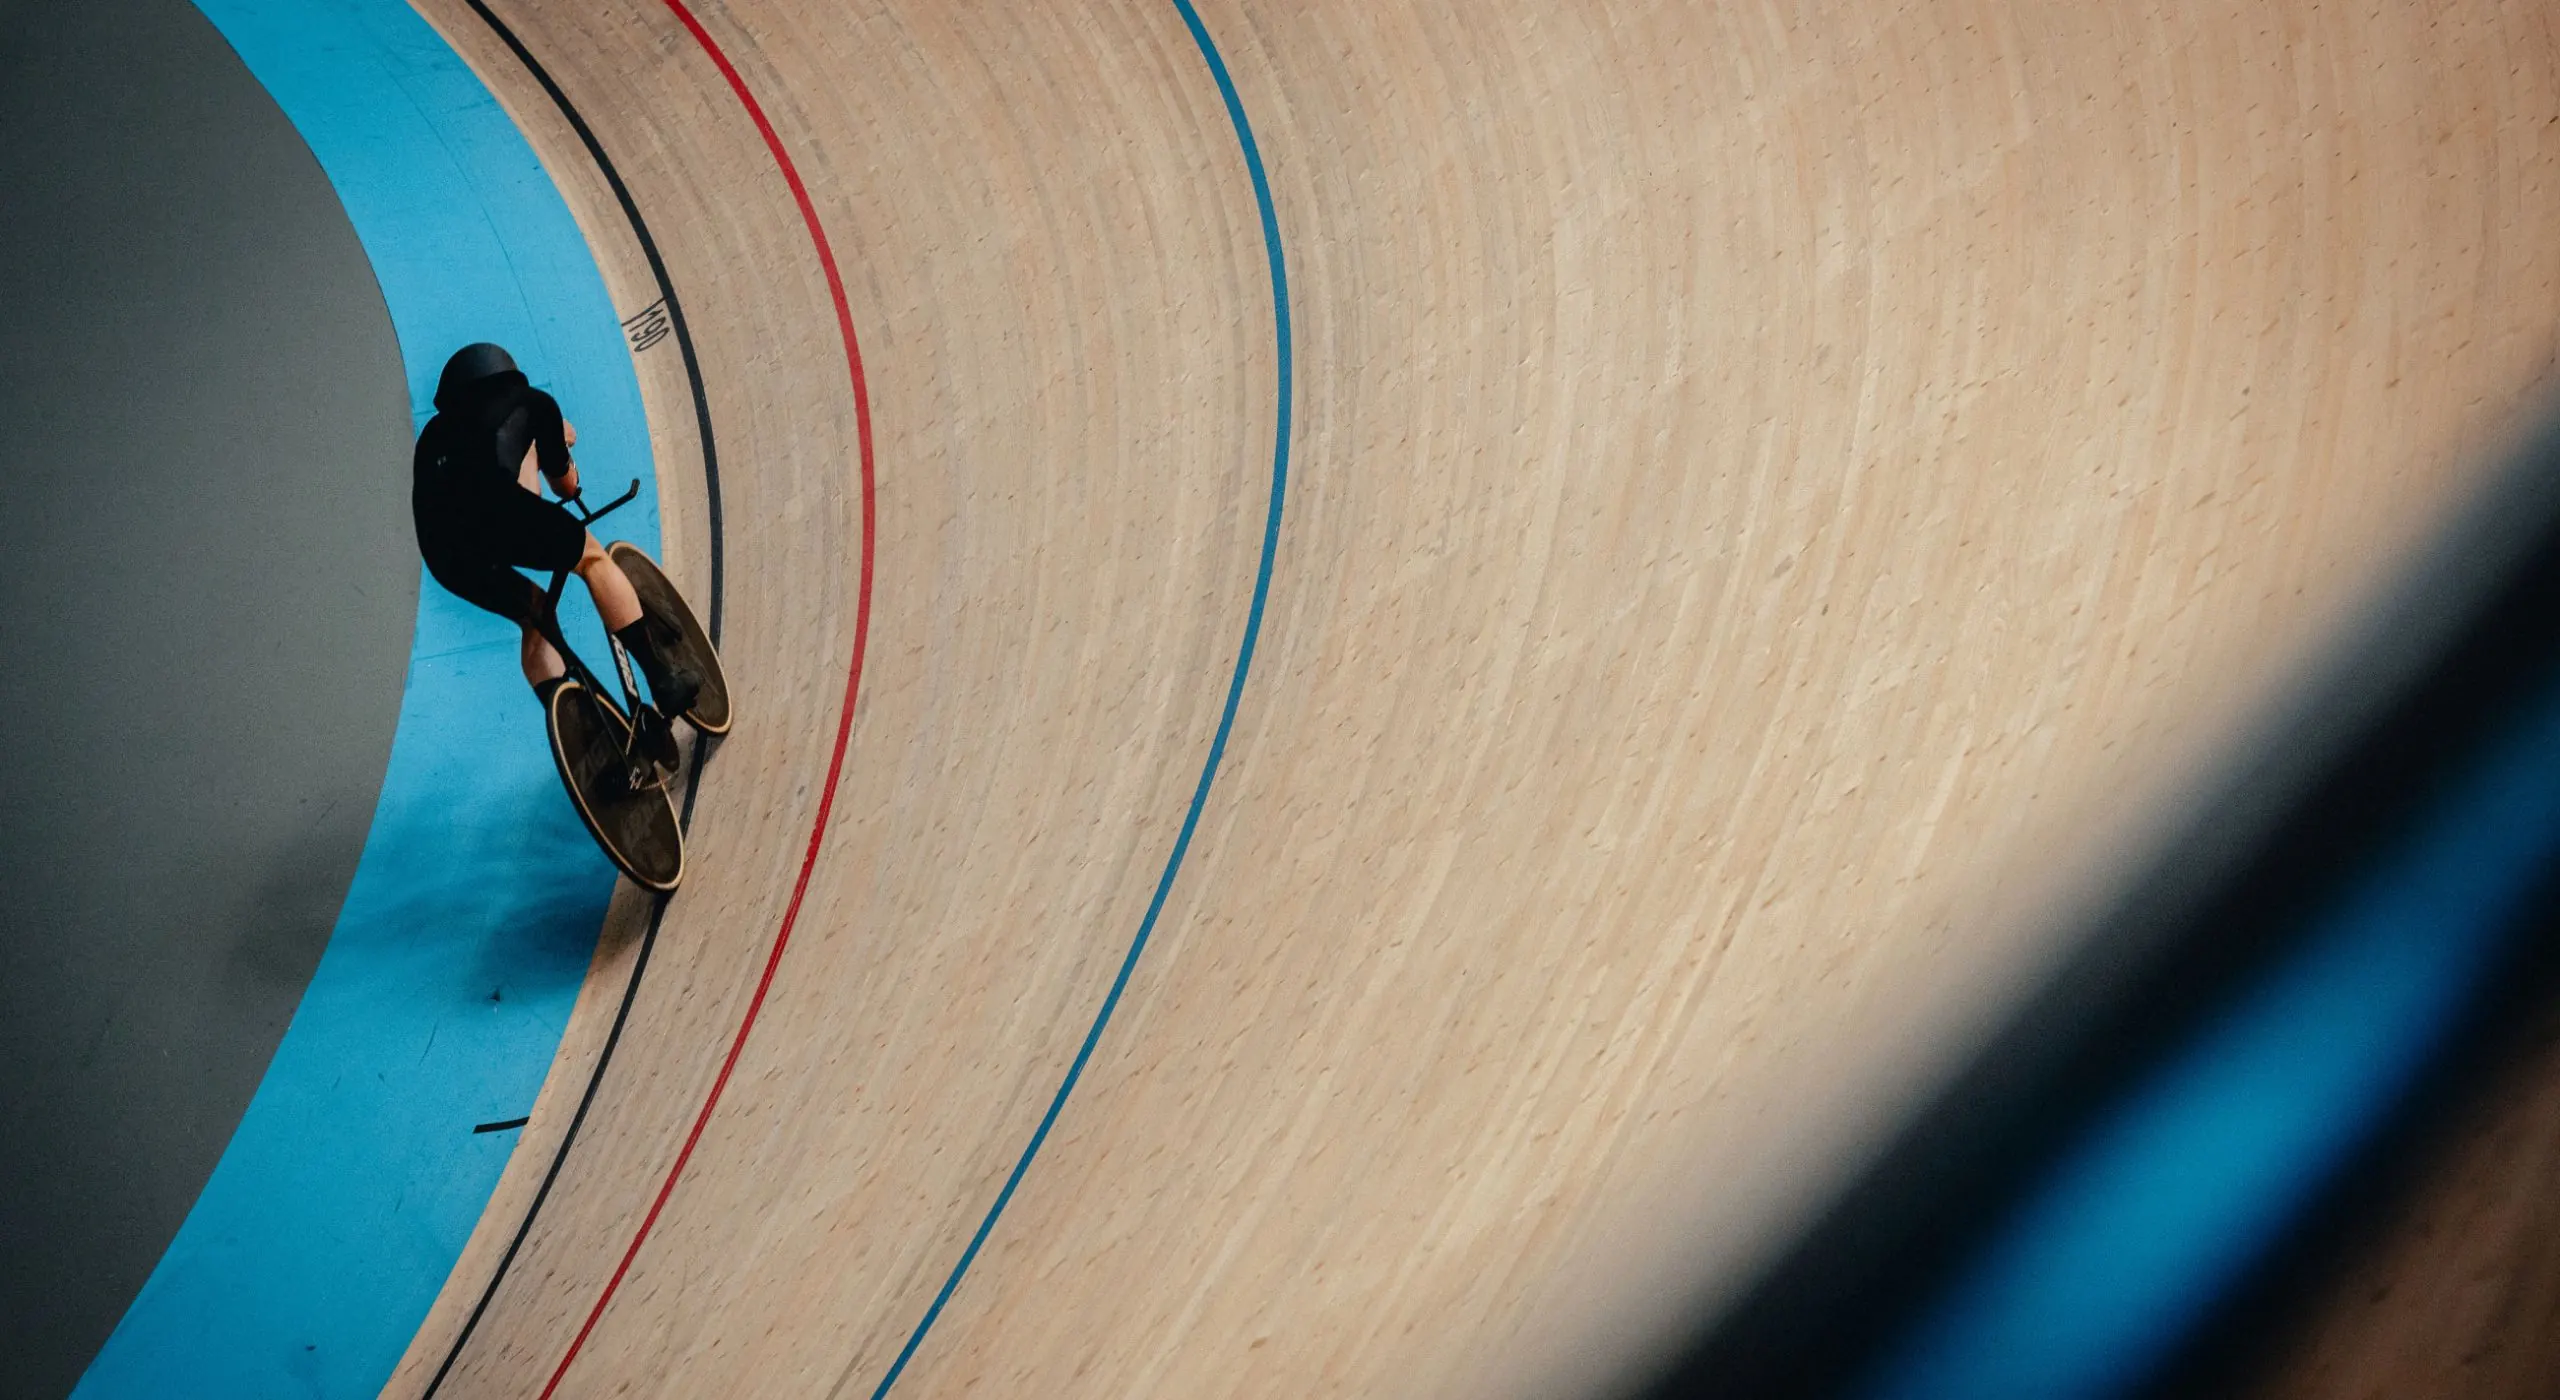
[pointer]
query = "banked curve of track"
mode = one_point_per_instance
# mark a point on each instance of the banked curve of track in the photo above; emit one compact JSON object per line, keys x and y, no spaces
{"x":1767,"y":486}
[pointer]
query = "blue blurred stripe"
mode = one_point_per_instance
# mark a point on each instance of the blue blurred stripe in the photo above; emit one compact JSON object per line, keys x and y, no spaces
{"x":2151,"y":1219}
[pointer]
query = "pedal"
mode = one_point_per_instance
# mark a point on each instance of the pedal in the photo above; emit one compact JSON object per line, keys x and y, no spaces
{"x":654,"y":756}
{"x":644,"y":774}
{"x":656,"y":736}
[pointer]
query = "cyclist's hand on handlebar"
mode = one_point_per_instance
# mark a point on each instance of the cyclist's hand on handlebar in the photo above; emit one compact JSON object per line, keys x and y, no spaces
{"x":565,"y":486}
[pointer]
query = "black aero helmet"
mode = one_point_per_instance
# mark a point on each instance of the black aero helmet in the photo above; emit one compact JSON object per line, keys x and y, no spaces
{"x":469,"y":365}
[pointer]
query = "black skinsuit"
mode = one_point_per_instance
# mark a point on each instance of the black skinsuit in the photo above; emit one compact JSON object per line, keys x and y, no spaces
{"x":475,"y":521}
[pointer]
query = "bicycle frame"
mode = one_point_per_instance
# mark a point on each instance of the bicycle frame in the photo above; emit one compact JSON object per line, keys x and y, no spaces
{"x":549,"y":626}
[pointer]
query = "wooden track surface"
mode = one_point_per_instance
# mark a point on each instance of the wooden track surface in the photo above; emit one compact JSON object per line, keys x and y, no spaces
{"x":1775,"y":489}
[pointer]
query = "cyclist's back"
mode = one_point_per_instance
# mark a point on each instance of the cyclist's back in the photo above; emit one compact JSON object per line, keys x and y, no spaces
{"x":475,"y":517}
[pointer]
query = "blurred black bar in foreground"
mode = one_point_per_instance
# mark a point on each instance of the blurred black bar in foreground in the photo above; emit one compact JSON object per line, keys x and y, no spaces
{"x":2253,"y":1049}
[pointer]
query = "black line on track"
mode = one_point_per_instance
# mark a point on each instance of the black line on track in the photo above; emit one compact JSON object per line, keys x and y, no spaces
{"x":500,"y":1126}
{"x":701,"y":747}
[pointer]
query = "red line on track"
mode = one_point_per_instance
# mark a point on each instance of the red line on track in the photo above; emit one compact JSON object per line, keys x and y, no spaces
{"x":852,"y":680}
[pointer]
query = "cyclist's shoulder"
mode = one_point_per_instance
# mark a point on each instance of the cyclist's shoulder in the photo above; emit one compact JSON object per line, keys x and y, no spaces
{"x":450,"y":443}
{"x":438,"y":437}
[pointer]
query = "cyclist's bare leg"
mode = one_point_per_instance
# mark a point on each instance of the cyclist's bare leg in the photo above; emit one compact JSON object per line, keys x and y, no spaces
{"x":541,"y":663}
{"x":615,"y":599}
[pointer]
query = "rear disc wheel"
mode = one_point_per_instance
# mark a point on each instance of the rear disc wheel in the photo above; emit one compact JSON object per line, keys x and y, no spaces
{"x":636,"y":827}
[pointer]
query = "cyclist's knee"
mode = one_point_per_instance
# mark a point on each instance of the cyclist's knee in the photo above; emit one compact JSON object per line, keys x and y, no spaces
{"x":593,"y":555}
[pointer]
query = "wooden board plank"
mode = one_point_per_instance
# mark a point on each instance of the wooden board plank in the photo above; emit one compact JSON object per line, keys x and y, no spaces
{"x":1776,"y":492}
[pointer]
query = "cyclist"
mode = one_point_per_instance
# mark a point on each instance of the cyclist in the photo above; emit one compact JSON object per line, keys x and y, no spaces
{"x":480,"y":515}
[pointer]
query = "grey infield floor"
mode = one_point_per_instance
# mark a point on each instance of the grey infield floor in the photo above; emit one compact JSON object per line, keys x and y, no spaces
{"x":207,"y":588}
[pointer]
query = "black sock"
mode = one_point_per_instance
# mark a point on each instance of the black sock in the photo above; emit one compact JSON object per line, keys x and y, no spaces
{"x":669,"y":692}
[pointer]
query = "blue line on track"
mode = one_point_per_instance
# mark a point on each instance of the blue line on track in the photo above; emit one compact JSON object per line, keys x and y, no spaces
{"x":1226,"y":719}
